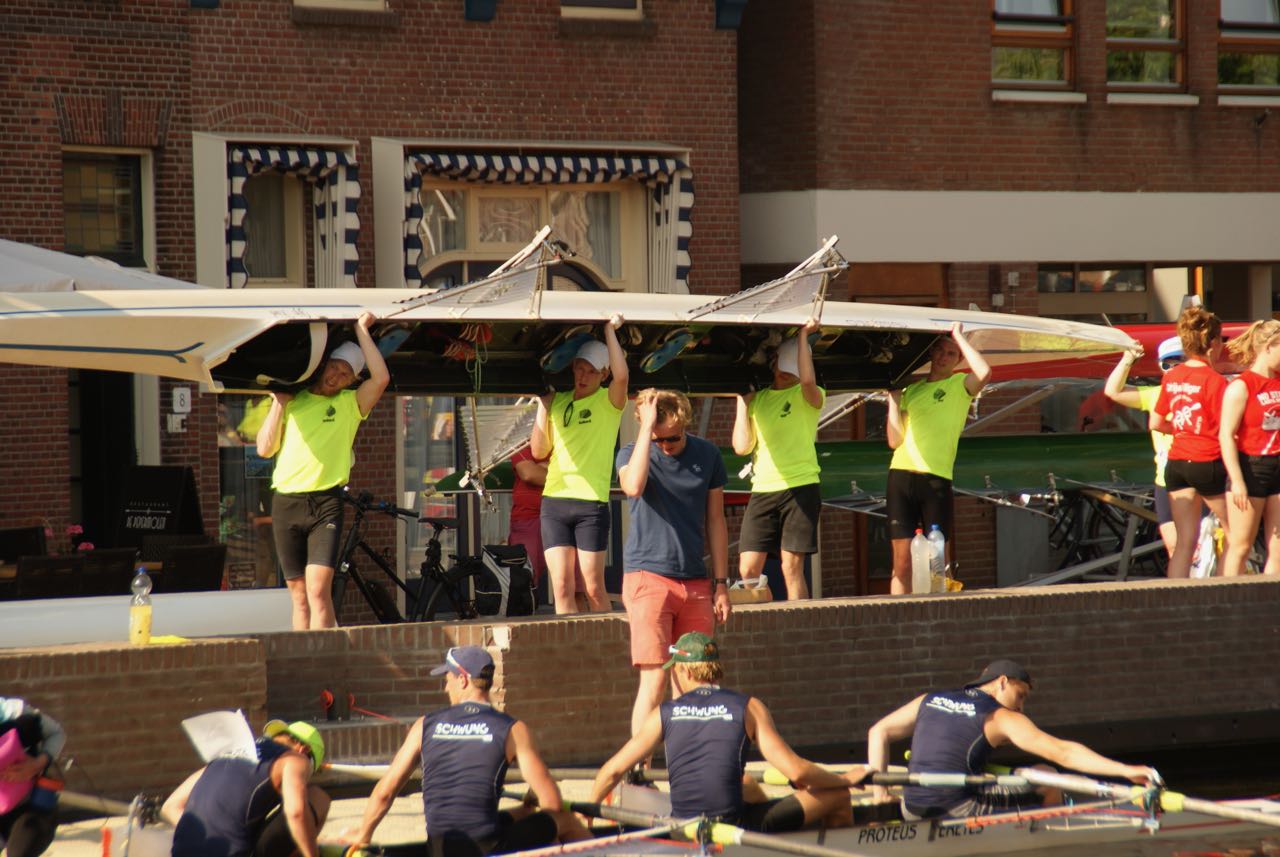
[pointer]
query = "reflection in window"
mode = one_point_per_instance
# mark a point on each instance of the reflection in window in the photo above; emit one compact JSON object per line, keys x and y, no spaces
{"x":102,"y":206}
{"x":507,"y":219}
{"x":427,"y":424}
{"x":444,"y":221}
{"x":1249,"y":45}
{"x":264,"y":249}
{"x":589,"y":222}
{"x":1031,"y":42}
{"x":244,"y":507}
{"x":1075,"y":278}
{"x":1144,"y":44}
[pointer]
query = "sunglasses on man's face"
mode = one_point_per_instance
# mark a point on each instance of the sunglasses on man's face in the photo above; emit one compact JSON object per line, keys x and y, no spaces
{"x":675,"y":438}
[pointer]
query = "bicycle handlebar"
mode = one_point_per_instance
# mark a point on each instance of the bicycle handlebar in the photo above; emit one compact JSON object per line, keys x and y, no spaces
{"x":365,"y":502}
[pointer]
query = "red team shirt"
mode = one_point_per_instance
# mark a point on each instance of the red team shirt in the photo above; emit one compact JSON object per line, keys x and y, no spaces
{"x":1191,"y":397}
{"x":526,"y":498}
{"x":1259,"y":432}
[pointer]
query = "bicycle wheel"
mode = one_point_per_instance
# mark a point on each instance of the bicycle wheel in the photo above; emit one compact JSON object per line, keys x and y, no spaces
{"x":449,"y":585}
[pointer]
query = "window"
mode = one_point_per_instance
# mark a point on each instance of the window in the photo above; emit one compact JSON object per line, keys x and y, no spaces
{"x":624,"y":9}
{"x":274,"y":227}
{"x":1249,"y":46}
{"x":102,"y":200}
{"x":1145,"y":48}
{"x":1031,"y":43}
{"x":1076,"y":278}
{"x":352,"y":5}
{"x":466,"y":232}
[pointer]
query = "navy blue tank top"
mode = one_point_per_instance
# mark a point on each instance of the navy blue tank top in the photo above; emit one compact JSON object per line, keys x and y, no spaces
{"x":705,"y":735}
{"x":228,"y":805}
{"x":948,"y":739}
{"x":464,"y":761}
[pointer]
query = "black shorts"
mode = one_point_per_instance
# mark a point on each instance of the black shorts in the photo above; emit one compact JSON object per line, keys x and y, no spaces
{"x":1261,"y":474}
{"x":581,"y":524}
{"x":786,"y":519}
{"x":532,"y":831}
{"x":1208,"y":478}
{"x":917,"y":501}
{"x":1164,"y":512}
{"x":780,"y":815}
{"x":28,"y":831}
{"x":990,"y":800}
{"x":307,"y":528}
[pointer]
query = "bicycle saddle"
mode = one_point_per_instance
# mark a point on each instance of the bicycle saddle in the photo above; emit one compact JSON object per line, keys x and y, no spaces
{"x":441,"y":523}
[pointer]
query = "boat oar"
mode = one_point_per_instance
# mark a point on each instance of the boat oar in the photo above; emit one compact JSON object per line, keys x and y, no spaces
{"x":1170,"y":801}
{"x":944,"y":781}
{"x":713,"y":831}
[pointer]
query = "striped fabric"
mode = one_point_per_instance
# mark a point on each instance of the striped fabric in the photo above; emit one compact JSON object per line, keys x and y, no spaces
{"x":670,"y":182}
{"x":335,"y":194}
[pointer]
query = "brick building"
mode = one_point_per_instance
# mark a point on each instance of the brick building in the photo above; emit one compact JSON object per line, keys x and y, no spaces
{"x":1066,"y":158}
{"x":146,"y":131}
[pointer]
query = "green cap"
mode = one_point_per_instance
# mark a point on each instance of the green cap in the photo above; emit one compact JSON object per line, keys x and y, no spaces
{"x":694,"y":647}
{"x":301,"y":731}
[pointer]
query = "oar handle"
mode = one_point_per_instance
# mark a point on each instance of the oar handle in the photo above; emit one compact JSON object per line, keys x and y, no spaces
{"x":943,"y":781}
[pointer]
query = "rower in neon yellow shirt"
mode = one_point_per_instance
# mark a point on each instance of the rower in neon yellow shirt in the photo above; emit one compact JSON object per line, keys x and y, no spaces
{"x":779,"y":426}
{"x":923,"y":429}
{"x":313,"y":433}
{"x":578,"y":429}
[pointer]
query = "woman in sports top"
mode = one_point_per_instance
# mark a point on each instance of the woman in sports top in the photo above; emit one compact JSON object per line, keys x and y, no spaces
{"x":1250,"y":437}
{"x":578,"y":429}
{"x":1189,"y":408}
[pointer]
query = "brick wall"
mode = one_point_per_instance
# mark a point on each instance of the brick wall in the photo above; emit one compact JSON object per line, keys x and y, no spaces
{"x":1101,"y":654}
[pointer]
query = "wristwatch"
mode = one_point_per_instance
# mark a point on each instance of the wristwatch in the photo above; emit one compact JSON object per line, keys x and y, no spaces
{"x":719,"y":580}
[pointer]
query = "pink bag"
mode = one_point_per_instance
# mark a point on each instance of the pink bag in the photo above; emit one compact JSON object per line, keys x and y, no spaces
{"x":12,"y":793}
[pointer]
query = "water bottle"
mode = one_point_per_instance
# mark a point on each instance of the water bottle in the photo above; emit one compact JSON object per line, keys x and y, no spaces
{"x":140,"y":609}
{"x":937,"y":559}
{"x":919,"y":563}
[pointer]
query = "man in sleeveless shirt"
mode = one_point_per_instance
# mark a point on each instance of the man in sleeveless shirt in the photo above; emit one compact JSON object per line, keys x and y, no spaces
{"x":954,"y":731}
{"x":313,"y":432}
{"x":777,"y":427}
{"x":706,"y":732}
{"x":235,"y":807}
{"x":464,"y":751}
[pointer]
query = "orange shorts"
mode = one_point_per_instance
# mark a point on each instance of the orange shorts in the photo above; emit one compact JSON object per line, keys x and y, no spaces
{"x":660,"y":609}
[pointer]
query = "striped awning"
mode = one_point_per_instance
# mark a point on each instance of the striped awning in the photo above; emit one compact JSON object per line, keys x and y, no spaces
{"x":669,"y":179}
{"x":335,"y":192}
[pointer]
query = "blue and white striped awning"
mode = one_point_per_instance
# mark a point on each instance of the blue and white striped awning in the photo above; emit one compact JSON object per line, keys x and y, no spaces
{"x":335,"y":182}
{"x":670,"y":181}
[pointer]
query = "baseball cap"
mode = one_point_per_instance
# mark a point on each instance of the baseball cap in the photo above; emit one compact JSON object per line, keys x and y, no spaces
{"x":594,"y":352}
{"x":694,"y":647}
{"x":1001,"y":667}
{"x":787,"y":359}
{"x":468,"y":661}
{"x":302,"y":731}
{"x":349,"y":353}
{"x":1169,"y":349}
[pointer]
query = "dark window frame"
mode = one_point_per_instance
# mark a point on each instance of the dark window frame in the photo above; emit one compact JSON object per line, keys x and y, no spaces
{"x":137,"y":257}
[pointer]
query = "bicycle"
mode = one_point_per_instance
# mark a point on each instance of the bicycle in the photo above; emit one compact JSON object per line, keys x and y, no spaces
{"x":451,"y":584}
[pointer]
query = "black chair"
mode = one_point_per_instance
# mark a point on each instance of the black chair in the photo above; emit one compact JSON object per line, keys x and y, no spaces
{"x":48,"y":576}
{"x":109,"y":571}
{"x":21,"y":541}
{"x":193,"y":568}
{"x":156,"y":547}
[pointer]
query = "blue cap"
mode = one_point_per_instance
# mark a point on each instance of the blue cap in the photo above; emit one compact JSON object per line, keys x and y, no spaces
{"x":470,"y":661}
{"x":1170,"y":349}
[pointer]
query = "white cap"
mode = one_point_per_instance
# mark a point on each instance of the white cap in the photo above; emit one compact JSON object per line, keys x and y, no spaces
{"x":349,"y":353}
{"x":594,"y":352}
{"x":787,"y":360}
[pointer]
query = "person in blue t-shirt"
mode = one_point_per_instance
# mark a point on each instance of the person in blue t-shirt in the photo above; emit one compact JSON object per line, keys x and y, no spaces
{"x":675,"y":482}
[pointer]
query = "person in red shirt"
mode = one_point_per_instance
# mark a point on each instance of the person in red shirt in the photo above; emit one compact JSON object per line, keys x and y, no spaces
{"x":1189,"y":408}
{"x":1250,"y":438}
{"x":526,"y":509}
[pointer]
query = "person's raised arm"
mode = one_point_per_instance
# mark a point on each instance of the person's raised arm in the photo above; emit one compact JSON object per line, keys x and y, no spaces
{"x":1233,"y":403}
{"x":619,"y":375}
{"x":370,"y":390}
{"x":640,"y":747}
{"x":804,"y":364}
{"x":269,"y":435}
{"x":1117,"y":388}
{"x":744,"y":434}
{"x":176,"y":803}
{"x":1018,"y":729}
{"x":895,"y":430}
{"x":980,"y":372}
{"x":634,"y":475}
{"x":541,"y":438}
{"x":521,"y":748}
{"x":777,"y":752}
{"x":894,"y":726}
{"x":295,"y":773}
{"x":388,"y":787}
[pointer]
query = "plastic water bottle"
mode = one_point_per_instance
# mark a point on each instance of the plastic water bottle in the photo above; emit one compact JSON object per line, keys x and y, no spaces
{"x":937,"y":559}
{"x":140,"y":609}
{"x":920,"y":581}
